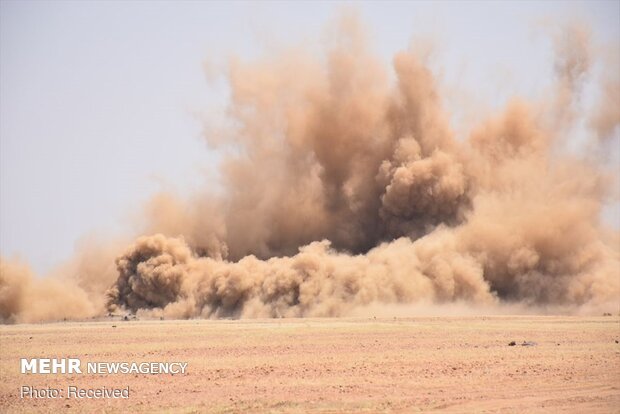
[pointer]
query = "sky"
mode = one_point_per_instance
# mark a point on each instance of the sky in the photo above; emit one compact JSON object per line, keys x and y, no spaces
{"x":102,"y":104}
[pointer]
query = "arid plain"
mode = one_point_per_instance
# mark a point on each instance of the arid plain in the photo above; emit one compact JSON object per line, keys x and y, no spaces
{"x":445,"y":364}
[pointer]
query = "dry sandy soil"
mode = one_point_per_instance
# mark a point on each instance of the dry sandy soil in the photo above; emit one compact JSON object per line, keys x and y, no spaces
{"x":445,"y":364}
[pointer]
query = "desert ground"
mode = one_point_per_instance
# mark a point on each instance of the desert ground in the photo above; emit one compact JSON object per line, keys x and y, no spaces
{"x":442,"y":364}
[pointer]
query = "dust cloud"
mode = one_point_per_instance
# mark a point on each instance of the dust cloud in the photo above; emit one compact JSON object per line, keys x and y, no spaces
{"x":345,"y":188}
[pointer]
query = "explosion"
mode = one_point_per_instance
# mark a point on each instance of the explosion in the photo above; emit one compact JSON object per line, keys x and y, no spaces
{"x":344,"y":186}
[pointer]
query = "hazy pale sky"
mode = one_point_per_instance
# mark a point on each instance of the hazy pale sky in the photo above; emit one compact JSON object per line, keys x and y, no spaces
{"x":99,"y":101}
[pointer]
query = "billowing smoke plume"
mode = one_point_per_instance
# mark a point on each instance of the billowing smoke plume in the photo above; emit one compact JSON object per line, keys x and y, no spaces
{"x":343,"y":189}
{"x":76,"y":290}
{"x":25,"y":299}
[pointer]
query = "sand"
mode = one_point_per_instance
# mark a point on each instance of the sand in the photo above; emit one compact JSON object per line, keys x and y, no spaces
{"x":443,"y":364}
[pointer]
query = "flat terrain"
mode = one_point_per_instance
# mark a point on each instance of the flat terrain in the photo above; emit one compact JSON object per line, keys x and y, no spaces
{"x":446,"y":364}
